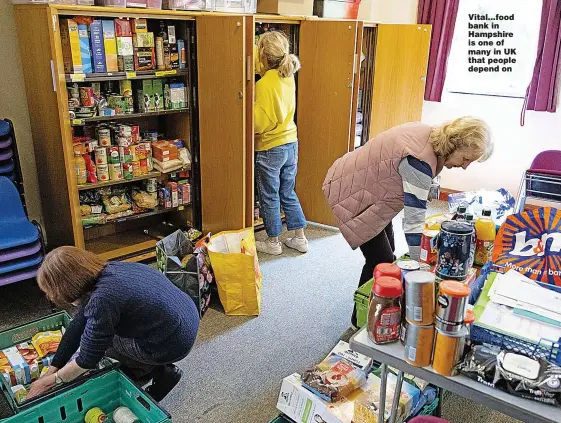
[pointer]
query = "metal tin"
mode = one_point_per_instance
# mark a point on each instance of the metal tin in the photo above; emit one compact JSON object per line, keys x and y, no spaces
{"x":419,"y":297}
{"x":407,"y":266}
{"x":136,"y":169}
{"x":449,"y":327}
{"x":418,"y":345}
{"x":452,"y":301}
{"x":115,"y":172}
{"x":113,"y":155}
{"x":151,"y":185}
{"x":127,"y":171}
{"x":143,"y":166}
{"x":124,"y":141}
{"x":104,"y":137}
{"x":454,"y":250}
{"x":125,"y":154}
{"x":100,"y":156}
{"x":448,"y":351}
{"x":150,"y":162}
{"x":124,"y":131}
{"x":102,"y":172}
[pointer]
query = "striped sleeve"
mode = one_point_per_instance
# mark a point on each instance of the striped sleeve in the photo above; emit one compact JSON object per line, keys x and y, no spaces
{"x":417,"y":178}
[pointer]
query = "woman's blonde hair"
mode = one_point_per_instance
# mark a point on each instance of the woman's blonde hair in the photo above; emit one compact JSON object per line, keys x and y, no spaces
{"x":68,"y":274}
{"x":466,"y":133}
{"x":274,"y":47}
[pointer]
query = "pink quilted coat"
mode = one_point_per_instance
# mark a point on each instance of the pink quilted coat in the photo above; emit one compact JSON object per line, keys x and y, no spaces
{"x":364,"y":188}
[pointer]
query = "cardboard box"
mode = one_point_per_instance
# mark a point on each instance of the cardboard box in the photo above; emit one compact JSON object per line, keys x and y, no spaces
{"x":139,"y":26}
{"x":286,"y":7}
{"x":158,"y":89}
{"x":125,"y":54}
{"x":6,"y":370}
{"x":98,"y":49}
{"x":175,"y":95}
{"x":172,"y":187}
{"x":145,"y":96}
{"x":110,"y":45}
{"x":123,"y":28}
{"x":70,"y":41}
{"x":21,"y":369}
{"x":164,"y":149}
{"x":144,"y":39}
{"x":85,"y":48}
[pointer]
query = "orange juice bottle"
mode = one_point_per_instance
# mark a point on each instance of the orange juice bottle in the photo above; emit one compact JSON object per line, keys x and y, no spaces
{"x":80,"y":166}
{"x":485,"y":231}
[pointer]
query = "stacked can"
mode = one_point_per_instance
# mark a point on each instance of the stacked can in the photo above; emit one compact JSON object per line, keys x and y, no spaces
{"x":419,"y":317}
{"x":451,"y":329}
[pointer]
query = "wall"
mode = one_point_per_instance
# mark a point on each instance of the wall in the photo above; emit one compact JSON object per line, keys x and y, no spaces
{"x":515,"y":146}
{"x":389,"y":11}
{"x":13,"y":105}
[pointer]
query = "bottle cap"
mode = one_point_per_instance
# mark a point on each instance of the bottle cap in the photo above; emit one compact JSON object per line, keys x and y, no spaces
{"x":387,"y":269}
{"x":386,"y":286}
{"x":486,"y":213}
{"x":454,"y":289}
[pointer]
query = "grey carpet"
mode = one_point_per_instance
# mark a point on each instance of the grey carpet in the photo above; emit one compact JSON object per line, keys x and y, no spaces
{"x":234,"y":372}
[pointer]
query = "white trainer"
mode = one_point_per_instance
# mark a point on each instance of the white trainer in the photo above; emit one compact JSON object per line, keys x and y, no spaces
{"x":298,"y":244}
{"x":268,"y":247}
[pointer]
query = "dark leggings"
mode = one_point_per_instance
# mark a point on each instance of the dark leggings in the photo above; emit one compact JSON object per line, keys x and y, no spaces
{"x":378,"y":250}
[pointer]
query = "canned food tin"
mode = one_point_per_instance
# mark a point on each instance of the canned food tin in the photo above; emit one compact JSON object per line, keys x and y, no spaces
{"x":418,"y":345}
{"x":135,"y":133}
{"x":124,"y":131}
{"x":124,"y":141}
{"x":419,"y":297}
{"x":104,"y":137}
{"x":95,"y":415}
{"x":87,"y":96}
{"x":150,"y":161}
{"x":428,"y":254}
{"x":113,"y":155}
{"x":407,"y":266}
{"x":151,"y":185}
{"x":100,"y":156}
{"x":115,"y":172}
{"x":448,"y":351}
{"x":103,"y":172}
{"x":136,"y":169}
{"x":127,"y":170}
{"x":452,"y":301}
{"x":148,"y":148}
{"x":454,"y":250}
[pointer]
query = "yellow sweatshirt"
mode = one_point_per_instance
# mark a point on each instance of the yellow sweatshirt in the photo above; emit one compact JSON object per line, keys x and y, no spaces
{"x":275,"y":104}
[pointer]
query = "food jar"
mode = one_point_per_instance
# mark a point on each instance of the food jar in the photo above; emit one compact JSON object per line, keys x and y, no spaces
{"x":454,"y":250}
{"x":451,"y":305}
{"x":387,"y":269}
{"x":384,"y":311}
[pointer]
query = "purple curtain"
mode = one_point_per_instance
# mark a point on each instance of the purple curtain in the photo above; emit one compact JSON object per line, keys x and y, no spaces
{"x":441,"y":14}
{"x":541,"y":94}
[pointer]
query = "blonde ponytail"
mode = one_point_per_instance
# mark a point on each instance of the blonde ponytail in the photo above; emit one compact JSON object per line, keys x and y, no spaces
{"x":463,"y":133}
{"x":274,"y":48}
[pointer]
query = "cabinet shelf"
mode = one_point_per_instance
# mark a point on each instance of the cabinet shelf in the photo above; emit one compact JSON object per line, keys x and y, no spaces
{"x":83,"y":121}
{"x":159,"y":210}
{"x":117,"y":76}
{"x":153,"y":174}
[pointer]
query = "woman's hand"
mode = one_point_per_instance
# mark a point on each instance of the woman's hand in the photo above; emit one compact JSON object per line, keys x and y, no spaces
{"x":42,"y":385}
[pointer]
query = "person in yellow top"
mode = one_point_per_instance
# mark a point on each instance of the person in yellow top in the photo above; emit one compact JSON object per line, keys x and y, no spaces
{"x":276,"y":144}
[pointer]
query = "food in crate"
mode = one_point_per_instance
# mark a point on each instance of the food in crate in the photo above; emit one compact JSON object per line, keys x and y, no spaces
{"x":516,"y":374}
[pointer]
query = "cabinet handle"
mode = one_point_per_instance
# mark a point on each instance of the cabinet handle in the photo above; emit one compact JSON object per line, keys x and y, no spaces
{"x":240,"y":95}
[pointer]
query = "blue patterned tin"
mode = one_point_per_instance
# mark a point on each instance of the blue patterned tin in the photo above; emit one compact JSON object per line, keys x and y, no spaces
{"x":454,"y":250}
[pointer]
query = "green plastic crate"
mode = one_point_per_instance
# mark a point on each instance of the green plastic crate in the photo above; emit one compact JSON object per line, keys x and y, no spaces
{"x":24,"y":333}
{"x":106,"y":391}
{"x":281,"y":419}
{"x":362,"y":297}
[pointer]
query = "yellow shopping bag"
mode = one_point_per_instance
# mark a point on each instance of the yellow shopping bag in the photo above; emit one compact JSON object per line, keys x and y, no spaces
{"x":233,"y":256}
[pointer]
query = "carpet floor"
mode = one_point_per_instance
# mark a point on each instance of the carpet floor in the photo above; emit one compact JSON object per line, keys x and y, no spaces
{"x":234,"y":372}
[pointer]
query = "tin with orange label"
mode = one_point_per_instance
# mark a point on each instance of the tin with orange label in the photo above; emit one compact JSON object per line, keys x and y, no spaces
{"x":419,"y":297}
{"x":428,"y":248}
{"x":102,"y":173}
{"x":448,"y":351}
{"x":419,"y":341}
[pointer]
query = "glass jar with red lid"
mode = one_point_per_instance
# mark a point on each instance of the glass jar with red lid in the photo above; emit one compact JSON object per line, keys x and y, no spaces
{"x":384,"y":312}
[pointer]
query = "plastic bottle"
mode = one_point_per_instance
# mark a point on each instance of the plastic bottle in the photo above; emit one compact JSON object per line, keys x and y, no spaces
{"x":485,"y":231}
{"x":80,"y":166}
{"x":460,"y":213}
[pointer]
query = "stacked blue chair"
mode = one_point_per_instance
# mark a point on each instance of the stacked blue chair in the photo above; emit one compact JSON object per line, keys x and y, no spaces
{"x":9,"y":160}
{"x":21,"y":241}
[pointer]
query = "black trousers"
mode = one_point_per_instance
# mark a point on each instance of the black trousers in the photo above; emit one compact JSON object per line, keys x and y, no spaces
{"x":378,"y":250}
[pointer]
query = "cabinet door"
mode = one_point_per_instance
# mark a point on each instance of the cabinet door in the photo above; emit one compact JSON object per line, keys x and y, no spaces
{"x":221,"y":57}
{"x":325,"y":92}
{"x":400,"y":70}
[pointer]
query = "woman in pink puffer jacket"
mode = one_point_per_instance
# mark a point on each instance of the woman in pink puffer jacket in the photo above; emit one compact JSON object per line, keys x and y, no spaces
{"x":368,"y":187}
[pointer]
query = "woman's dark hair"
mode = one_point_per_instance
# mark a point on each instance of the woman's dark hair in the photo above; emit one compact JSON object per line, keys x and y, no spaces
{"x":68,"y":274}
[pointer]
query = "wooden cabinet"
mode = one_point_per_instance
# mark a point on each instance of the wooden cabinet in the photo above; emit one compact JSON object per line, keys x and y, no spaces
{"x":135,"y":232}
